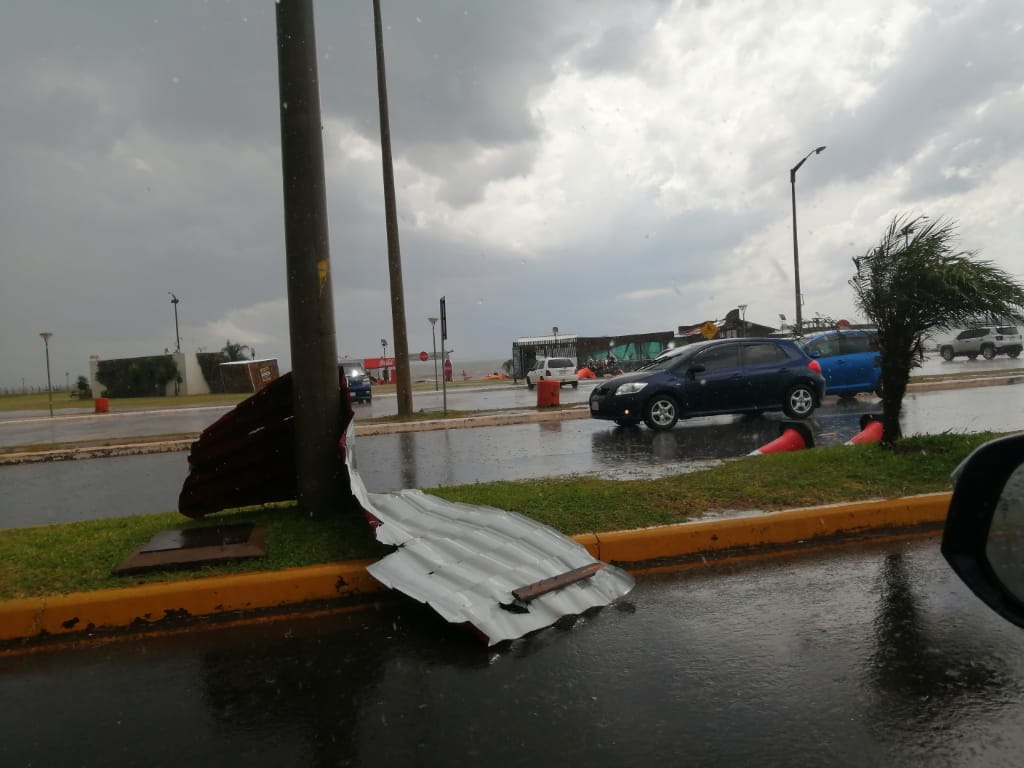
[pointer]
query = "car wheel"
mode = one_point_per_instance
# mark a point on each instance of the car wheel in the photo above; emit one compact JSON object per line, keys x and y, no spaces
{"x":947,"y":353}
{"x":1014,"y":353}
{"x":575,"y":385}
{"x":662,"y":412}
{"x":799,"y":403}
{"x":988,"y":352}
{"x":529,"y":384}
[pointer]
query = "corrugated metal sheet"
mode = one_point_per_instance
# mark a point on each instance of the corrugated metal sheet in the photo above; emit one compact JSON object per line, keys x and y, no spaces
{"x":465,"y":560}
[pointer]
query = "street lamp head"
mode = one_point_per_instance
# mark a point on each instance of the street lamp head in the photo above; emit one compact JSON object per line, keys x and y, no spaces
{"x":432,"y":320}
{"x":46,"y":336}
{"x":819,"y":150}
{"x":174,"y":299}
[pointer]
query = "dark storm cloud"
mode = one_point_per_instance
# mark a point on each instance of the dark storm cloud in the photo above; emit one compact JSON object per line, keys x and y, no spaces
{"x":956,"y":59}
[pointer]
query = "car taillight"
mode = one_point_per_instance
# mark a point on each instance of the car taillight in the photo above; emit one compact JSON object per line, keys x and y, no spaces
{"x":815,"y":366}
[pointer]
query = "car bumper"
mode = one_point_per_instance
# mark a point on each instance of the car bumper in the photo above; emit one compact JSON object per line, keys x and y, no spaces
{"x":615,"y":407}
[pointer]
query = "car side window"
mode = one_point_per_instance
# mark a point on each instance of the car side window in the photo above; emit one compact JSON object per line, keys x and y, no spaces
{"x":718,"y":358}
{"x":762,"y":354}
{"x":856,"y":343}
{"x":827,"y":347}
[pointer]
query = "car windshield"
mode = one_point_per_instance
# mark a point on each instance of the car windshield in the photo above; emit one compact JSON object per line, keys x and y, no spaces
{"x":671,"y":361}
{"x":354,"y":370}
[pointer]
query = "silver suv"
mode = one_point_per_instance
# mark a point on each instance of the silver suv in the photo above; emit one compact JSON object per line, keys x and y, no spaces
{"x":560,"y":369}
{"x":985,"y":340}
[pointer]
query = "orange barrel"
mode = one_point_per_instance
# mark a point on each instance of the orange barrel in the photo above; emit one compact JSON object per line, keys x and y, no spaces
{"x":102,"y":405}
{"x":547,"y":393}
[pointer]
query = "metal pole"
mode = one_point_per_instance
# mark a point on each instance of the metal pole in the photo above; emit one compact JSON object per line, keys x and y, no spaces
{"x":315,"y":390}
{"x":796,"y":252}
{"x":49,"y":387}
{"x":403,"y":382}
{"x":433,"y":335}
{"x":444,"y":353}
{"x":177,"y":336}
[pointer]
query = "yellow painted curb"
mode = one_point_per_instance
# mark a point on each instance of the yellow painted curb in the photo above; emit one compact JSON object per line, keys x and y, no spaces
{"x":155,"y":606}
{"x":772,"y":529}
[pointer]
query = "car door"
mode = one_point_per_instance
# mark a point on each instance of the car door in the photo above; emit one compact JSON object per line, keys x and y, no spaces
{"x":713,"y":380}
{"x":826,"y":351}
{"x":861,"y":360}
{"x":766,"y":374}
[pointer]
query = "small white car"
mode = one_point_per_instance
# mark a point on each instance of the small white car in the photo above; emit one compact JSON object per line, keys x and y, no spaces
{"x":560,"y":369}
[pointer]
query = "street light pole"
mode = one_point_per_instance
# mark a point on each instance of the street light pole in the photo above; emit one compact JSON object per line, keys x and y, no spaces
{"x":433,"y":334}
{"x":796,"y":252}
{"x":384,"y":359}
{"x":177,"y":336}
{"x":743,"y":320}
{"x":49,"y":388}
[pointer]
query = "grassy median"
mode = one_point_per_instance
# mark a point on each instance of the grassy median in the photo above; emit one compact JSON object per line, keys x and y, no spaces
{"x":75,"y":557}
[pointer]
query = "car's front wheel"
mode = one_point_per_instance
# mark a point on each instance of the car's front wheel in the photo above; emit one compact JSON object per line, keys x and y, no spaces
{"x":662,"y":412}
{"x":988,"y":352}
{"x":1014,"y":353}
{"x":529,"y":384}
{"x":799,"y":403}
{"x":575,"y":385}
{"x":947,"y":353}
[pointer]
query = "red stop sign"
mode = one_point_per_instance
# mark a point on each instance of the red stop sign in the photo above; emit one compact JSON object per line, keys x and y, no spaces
{"x":424,"y":356}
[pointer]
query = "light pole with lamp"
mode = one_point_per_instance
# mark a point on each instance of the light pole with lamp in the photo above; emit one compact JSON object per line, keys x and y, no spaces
{"x":743,"y":319}
{"x":177,"y":336}
{"x":796,"y":253}
{"x":384,"y":359}
{"x":433,"y":334}
{"x":49,"y":388}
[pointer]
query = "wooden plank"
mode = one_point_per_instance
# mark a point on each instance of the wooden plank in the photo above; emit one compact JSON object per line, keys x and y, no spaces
{"x":532,"y":591}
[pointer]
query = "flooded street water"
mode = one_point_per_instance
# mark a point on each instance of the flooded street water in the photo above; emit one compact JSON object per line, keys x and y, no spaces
{"x":850,"y":657}
{"x":79,"y":490}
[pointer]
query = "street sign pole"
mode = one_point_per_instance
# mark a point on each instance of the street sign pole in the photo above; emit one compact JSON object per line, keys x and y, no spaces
{"x":444,"y":354}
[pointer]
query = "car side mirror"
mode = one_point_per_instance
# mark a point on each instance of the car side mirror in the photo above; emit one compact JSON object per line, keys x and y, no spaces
{"x":983,"y":539}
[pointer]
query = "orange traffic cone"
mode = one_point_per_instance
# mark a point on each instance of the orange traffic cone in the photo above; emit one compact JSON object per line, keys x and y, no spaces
{"x":792,"y":437}
{"x":870,"y":430}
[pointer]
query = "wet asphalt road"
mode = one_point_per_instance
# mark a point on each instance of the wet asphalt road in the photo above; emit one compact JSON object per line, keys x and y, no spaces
{"x":36,"y":494}
{"x":861,"y":656}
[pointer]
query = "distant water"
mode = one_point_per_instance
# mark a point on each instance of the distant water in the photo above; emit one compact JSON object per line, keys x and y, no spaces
{"x":475,"y":369}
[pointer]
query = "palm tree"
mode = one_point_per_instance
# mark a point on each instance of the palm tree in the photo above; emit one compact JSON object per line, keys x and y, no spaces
{"x":233,"y":352}
{"x":913,"y":282}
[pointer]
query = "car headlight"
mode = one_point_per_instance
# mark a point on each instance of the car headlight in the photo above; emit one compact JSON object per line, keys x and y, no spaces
{"x":630,"y":388}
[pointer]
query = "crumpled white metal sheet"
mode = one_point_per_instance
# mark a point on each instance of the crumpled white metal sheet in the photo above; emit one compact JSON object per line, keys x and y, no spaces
{"x":465,"y":560}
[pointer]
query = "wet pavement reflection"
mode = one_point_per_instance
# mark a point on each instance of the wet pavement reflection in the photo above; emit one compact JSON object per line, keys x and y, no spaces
{"x":81,"y":490}
{"x":857,"y":656}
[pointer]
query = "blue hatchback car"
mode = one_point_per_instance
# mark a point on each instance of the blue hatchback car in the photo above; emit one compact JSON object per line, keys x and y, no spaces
{"x":849,"y":360}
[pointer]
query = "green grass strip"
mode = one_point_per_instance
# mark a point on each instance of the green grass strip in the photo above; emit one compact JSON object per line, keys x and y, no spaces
{"x":75,"y":557}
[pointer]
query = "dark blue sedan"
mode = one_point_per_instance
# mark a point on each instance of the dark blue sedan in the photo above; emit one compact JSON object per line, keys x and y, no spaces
{"x":712,"y":377}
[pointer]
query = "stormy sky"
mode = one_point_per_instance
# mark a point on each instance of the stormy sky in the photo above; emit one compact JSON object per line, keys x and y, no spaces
{"x":603,"y":167}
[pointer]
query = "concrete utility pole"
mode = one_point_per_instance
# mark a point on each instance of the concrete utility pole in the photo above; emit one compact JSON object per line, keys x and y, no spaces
{"x":403,"y":378}
{"x":310,"y":302}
